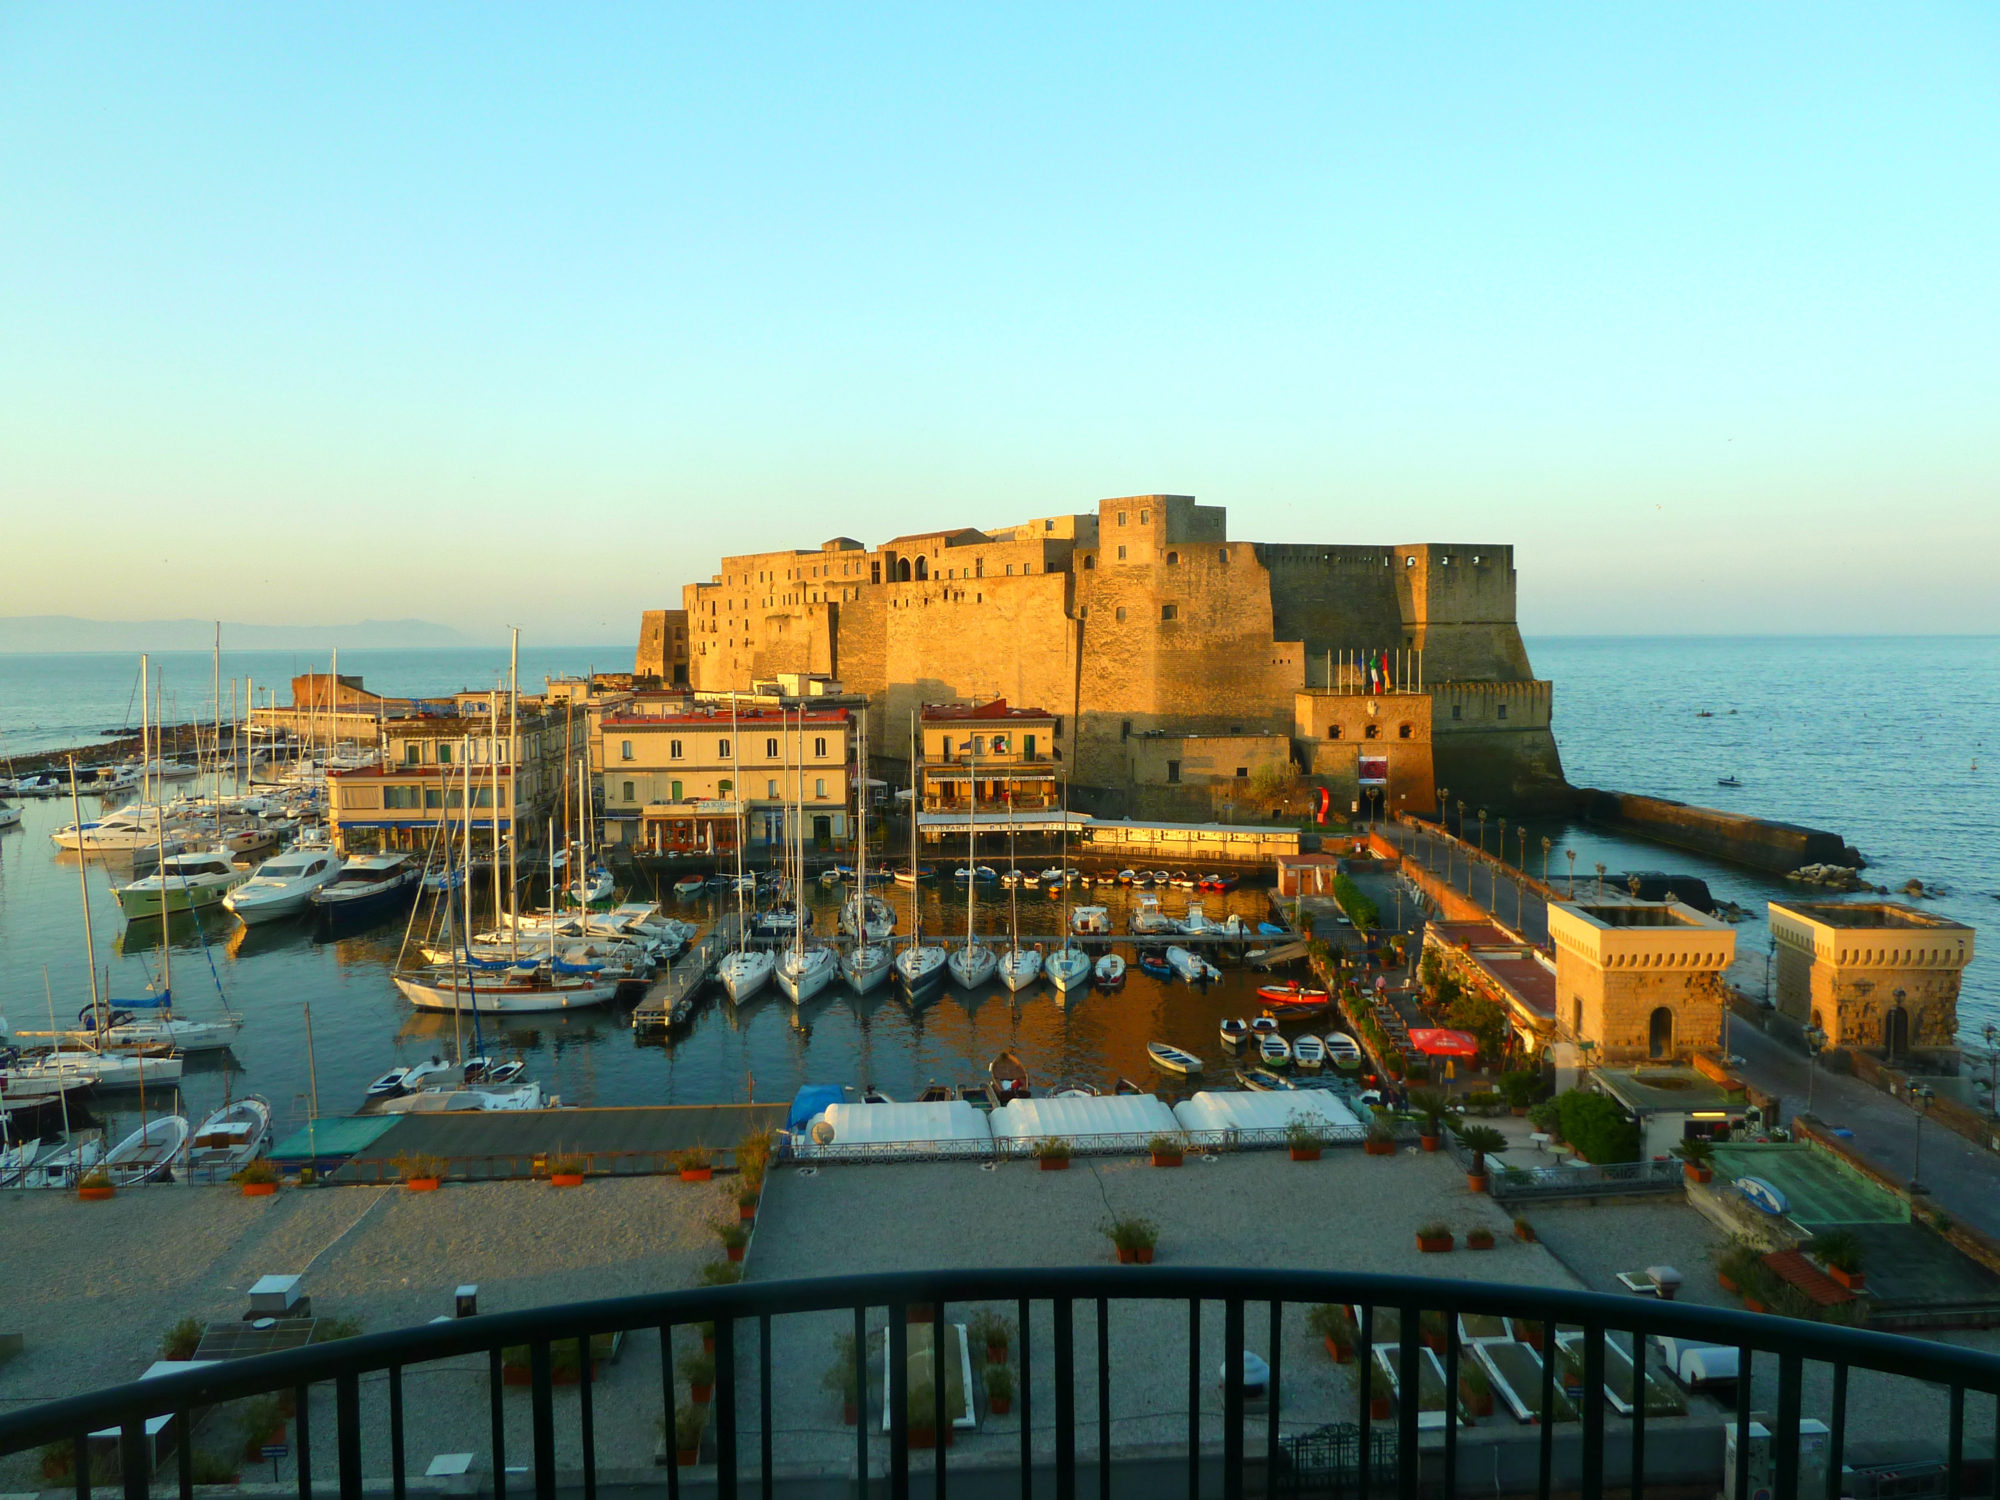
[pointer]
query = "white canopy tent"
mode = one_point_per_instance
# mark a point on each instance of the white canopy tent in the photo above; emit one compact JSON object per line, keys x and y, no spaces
{"x":1254,"y":1119}
{"x":881,"y":1132}
{"x":1120,"y":1123}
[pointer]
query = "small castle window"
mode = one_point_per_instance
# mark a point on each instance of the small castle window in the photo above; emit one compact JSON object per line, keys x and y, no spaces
{"x":1124,"y":729}
{"x":1119,"y":613}
{"x":1402,"y":731}
{"x":1333,"y":731}
{"x":1409,"y":562}
{"x":1010,"y":570}
{"x":1121,"y":552}
{"x":1372,"y":731}
{"x":1242,"y":773}
{"x":1457,"y":711}
{"x":1121,"y":518}
{"x":1145,"y":516}
{"x":1173,"y":559}
{"x":1501,"y":710}
{"x":1089,"y":563}
{"x":1168,"y":611}
{"x":1173,"y":771}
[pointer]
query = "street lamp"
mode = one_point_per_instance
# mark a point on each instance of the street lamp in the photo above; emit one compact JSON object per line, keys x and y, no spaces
{"x":1482,"y":831}
{"x":1547,"y":844}
{"x":1444,"y":822}
{"x":1461,"y":839}
{"x":1600,"y":880}
{"x":1572,"y":872}
{"x":1992,"y":1035}
{"x":1492,"y":889}
{"x":1815,"y":1041}
{"x":1920,"y":1101}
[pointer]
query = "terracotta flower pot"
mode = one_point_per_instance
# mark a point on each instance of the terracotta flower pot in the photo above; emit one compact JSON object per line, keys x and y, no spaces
{"x":1378,"y":1408}
{"x":850,"y":1413}
{"x":1479,"y":1404}
{"x":1305,"y":1153}
{"x":1428,"y":1142}
{"x":1049,"y":1164}
{"x":422,"y":1184}
{"x":746,"y":1213}
{"x":1341,"y":1353}
{"x":1694,"y":1173}
{"x":1434,"y":1244}
{"x":1518,"y":1111}
{"x":1751,"y":1304}
{"x":1379,"y":1148}
{"x":1726,"y":1282}
{"x":1479,"y":1243}
{"x":700,"y":1394}
{"x":734,"y":1252}
{"x":917,"y":1312}
{"x":1167,"y":1158}
{"x":697,"y":1174}
{"x":95,"y":1194}
{"x":926,"y":1437}
{"x":685,"y":1457}
{"x":996,"y":1354}
{"x":56,"y":1466}
{"x":1854,"y":1281}
{"x":1525,"y":1233}
{"x":566,"y":1179}
{"x":253,"y":1448}
{"x":999,"y":1405}
{"x":259,"y":1189}
{"x":1476,"y":1181}
{"x":708,"y":1343}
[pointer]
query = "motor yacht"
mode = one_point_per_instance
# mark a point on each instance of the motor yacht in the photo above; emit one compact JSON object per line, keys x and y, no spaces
{"x":182,"y":882}
{"x":283,"y":885}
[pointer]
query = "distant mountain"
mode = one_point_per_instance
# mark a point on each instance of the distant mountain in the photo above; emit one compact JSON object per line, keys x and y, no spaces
{"x":26,"y":633}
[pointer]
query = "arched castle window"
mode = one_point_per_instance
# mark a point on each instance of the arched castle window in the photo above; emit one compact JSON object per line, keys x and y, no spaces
{"x":1173,"y":559}
{"x":1089,"y":562}
{"x":923,"y":569}
{"x":1402,"y":731}
{"x":1333,"y":731}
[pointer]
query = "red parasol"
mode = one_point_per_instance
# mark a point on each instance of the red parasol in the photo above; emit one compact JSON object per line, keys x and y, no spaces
{"x":1437,"y":1043}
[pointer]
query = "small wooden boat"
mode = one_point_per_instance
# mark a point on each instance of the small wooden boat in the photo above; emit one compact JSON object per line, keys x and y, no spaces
{"x":1727,"y":781}
{"x":1263,"y":1081}
{"x":1110,"y":970}
{"x":1275,"y":1050}
{"x":1296,"y":1010}
{"x":689,"y":886}
{"x":911,"y":877}
{"x":1172,"y":1059}
{"x":1155,"y":964}
{"x":873,"y":1095}
{"x":1215,"y":882}
{"x":1128,"y":1088}
{"x":389,"y":1084}
{"x":1290,"y":990}
{"x":1075,"y":1091}
{"x":147,"y":1152}
{"x":937,"y":1093}
{"x":1264,"y":1025}
{"x":1233,"y":1031}
{"x":1272,"y":929}
{"x":1309,"y":1052}
{"x":1010,"y":1077}
{"x":1126,"y":877}
{"x":231,"y":1138}
{"x":1181,"y":880}
{"x":1344,"y":1051}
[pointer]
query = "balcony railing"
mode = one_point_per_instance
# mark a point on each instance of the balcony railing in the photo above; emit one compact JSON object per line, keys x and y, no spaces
{"x":1070,"y":1357}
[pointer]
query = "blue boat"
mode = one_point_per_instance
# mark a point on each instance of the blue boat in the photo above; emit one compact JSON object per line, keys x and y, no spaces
{"x":1271,"y":929}
{"x":1155,"y":964}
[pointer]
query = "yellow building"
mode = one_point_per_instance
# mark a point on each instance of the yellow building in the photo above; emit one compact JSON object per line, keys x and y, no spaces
{"x":1006,"y":755}
{"x":1639,"y":980}
{"x":671,"y":778}
{"x":1870,"y":974}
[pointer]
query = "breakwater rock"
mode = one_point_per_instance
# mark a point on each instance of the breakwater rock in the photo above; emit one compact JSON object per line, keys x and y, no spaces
{"x":1761,"y":843}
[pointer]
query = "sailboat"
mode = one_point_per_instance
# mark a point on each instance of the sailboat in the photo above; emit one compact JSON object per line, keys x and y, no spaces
{"x":1069,"y":966}
{"x":972,"y":965}
{"x":921,"y":968}
{"x":866,"y":964}
{"x":802,"y":971}
{"x":1019,"y":967}
{"x":745,"y":971}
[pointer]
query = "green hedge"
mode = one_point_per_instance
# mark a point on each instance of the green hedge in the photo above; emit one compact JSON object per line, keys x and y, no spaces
{"x":1596,"y":1126}
{"x":1360,"y":910}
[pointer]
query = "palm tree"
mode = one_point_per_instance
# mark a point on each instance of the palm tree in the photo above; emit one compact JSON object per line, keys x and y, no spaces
{"x":1434,"y":1105}
{"x":1482,"y":1141}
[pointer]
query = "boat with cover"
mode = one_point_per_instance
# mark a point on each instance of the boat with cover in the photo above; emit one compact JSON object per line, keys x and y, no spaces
{"x":1191,"y":966}
{"x":125,"y":1027}
{"x":1155,"y":964}
{"x":230,"y":1139}
{"x":1172,"y":1059}
{"x":1309,"y":1052}
{"x":181,"y":882}
{"x":1110,"y":970}
{"x":148,"y":1152}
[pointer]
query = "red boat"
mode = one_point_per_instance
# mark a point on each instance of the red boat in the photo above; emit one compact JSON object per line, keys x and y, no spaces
{"x":1292,"y":996}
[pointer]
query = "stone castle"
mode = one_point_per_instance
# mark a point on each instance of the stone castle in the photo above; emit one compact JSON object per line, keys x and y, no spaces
{"x":1175,"y":660}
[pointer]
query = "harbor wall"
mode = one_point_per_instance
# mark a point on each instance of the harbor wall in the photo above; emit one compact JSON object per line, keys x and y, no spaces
{"x":1759,"y":843}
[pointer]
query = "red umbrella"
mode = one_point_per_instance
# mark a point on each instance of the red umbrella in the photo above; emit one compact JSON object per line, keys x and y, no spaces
{"x":1438,"y":1043}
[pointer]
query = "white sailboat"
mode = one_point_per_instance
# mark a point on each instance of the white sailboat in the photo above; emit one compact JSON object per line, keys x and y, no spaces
{"x":1069,"y":966}
{"x":921,"y":968}
{"x":1019,"y":967}
{"x":803,"y":969}
{"x":972,"y":965}
{"x":745,"y":971}
{"x":866,"y":964}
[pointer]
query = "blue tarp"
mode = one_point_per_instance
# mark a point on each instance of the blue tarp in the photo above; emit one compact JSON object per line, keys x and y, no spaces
{"x":811,"y":1100}
{"x":565,"y":968}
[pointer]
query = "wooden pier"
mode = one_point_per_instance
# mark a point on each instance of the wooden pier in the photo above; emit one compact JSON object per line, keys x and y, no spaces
{"x":670,"y":999}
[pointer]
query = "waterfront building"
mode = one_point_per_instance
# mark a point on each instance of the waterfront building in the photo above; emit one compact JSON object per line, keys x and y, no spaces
{"x":672,"y":779}
{"x":1639,"y":980}
{"x":1142,"y":621}
{"x":988,"y":754}
{"x":1874,"y":975}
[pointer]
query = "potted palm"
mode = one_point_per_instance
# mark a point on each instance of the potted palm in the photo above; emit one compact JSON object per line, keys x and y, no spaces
{"x":1697,"y":1154}
{"x":753,"y":1159}
{"x":993,"y":1331}
{"x":567,"y":1171}
{"x":999,"y":1390}
{"x":721,"y":1273}
{"x":1432,"y":1107}
{"x":1053,"y":1154}
{"x":1433,"y":1330}
{"x":734,"y":1238}
{"x":839,"y":1379}
{"x":1434,"y":1239}
{"x":1333,"y":1324}
{"x":1305,"y":1139}
{"x":1532,"y":1332}
{"x":1481,"y":1141}
{"x":698,"y":1370}
{"x":1165,"y":1151}
{"x":1479,"y":1239}
{"x":1133,"y":1239}
{"x":696,"y":1164}
{"x":1380,"y":1140}
{"x":95,"y":1186}
{"x":1519,"y":1090}
{"x":1840,"y":1252}
{"x":263,"y":1423}
{"x":689,"y":1420}
{"x":257,"y":1179}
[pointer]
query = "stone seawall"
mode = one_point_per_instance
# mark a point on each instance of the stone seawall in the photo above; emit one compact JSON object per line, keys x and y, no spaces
{"x":1756,"y":842}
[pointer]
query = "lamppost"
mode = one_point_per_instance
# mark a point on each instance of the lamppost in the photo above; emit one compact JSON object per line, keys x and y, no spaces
{"x":1600,"y":880}
{"x":1444,"y":822}
{"x":1815,"y":1041}
{"x":1493,"y":886}
{"x":1992,"y":1035}
{"x":1547,"y":844}
{"x":1572,"y":872}
{"x":1461,"y":839}
{"x":1482,"y":831}
{"x":1920,"y":1101}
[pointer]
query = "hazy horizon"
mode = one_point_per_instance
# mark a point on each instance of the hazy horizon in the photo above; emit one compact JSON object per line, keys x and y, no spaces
{"x":526,"y":316}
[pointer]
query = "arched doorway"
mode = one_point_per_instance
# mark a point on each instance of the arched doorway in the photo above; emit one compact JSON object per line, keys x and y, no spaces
{"x":1896,"y":1031}
{"x":903,"y":570}
{"x":923,"y":569}
{"x":1660,"y":1033}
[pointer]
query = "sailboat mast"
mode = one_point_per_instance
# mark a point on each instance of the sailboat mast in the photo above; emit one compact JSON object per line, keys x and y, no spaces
{"x":971,"y":836}
{"x":83,"y":879}
{"x":514,"y":788}
{"x":736,"y":794}
{"x":145,"y":742}
{"x":215,"y":697}
{"x":916,"y":888}
{"x":861,"y":845}
{"x":799,"y":841}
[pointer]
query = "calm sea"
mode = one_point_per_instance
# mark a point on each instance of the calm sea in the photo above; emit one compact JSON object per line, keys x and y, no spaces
{"x":1884,"y":741}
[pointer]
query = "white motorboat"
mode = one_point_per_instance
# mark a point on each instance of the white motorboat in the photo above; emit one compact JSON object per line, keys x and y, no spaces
{"x":62,"y":1167}
{"x":803,"y":972}
{"x":1068,"y":967}
{"x":1020,"y":967}
{"x":1110,"y":970}
{"x":1191,"y":966}
{"x":1148,"y":918}
{"x":183,"y":882}
{"x":1090,"y":921}
{"x":230,"y":1139}
{"x":881,"y":921}
{"x":365,"y":882}
{"x":1172,"y":1059}
{"x":688,"y":887}
{"x":515,"y":989}
{"x":1309,"y":1052}
{"x":148,"y":1152}
{"x":10,"y":815}
{"x":463,"y":1101}
{"x":1275,"y":1050}
{"x":745,"y":972}
{"x":121,"y":832}
{"x":972,"y":965}
{"x":594,"y":887}
{"x":864,"y":966}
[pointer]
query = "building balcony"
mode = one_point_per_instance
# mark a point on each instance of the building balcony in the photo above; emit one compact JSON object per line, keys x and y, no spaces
{"x":1116,"y":1390}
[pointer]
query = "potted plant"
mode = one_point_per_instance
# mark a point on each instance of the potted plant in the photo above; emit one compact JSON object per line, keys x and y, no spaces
{"x":697,"y":1368}
{"x":180,"y":1341}
{"x":567,"y":1171}
{"x":263,"y":1423}
{"x":1431,"y":1107}
{"x":58,"y":1459}
{"x":753,"y":1159}
{"x":1697,"y":1154}
{"x":1433,"y":1330}
{"x":993,"y":1331}
{"x":257,"y":1179}
{"x":999,"y":1390}
{"x":1479,"y":1239}
{"x":689,"y":1420}
{"x":1165,"y":1151}
{"x":1736,"y":1267}
{"x":1434,"y":1239}
{"x":707,"y":1332}
{"x":1380,"y":1140}
{"x":1519,"y":1089}
{"x":734,"y":1238}
{"x":1305,"y":1139}
{"x":1133,"y":1239}
{"x":1378,"y":1393}
{"x":696,"y":1164}
{"x":1053,"y":1154}
{"x":721,"y":1273}
{"x":1840,"y":1252}
{"x":1531,"y":1332}
{"x":839,"y":1379}
{"x":420,"y":1174}
{"x":1524,"y":1231}
{"x":921,"y":1411}
{"x":1481,"y":1141}
{"x":746,"y":1205}
{"x":1475,"y":1391}
{"x":1333,"y":1324}
{"x":95,"y":1186}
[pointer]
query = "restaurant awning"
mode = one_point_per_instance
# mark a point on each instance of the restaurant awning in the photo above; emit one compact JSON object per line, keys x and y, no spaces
{"x":1438,"y":1043}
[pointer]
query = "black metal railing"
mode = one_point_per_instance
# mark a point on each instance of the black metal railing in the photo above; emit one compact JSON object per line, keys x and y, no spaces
{"x":1383,"y":1455}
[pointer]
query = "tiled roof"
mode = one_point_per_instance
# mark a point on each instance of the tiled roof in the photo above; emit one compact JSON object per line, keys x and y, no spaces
{"x":997,"y":709}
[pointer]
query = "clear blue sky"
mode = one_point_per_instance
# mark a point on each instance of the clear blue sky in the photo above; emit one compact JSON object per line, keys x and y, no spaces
{"x":484,"y":313}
